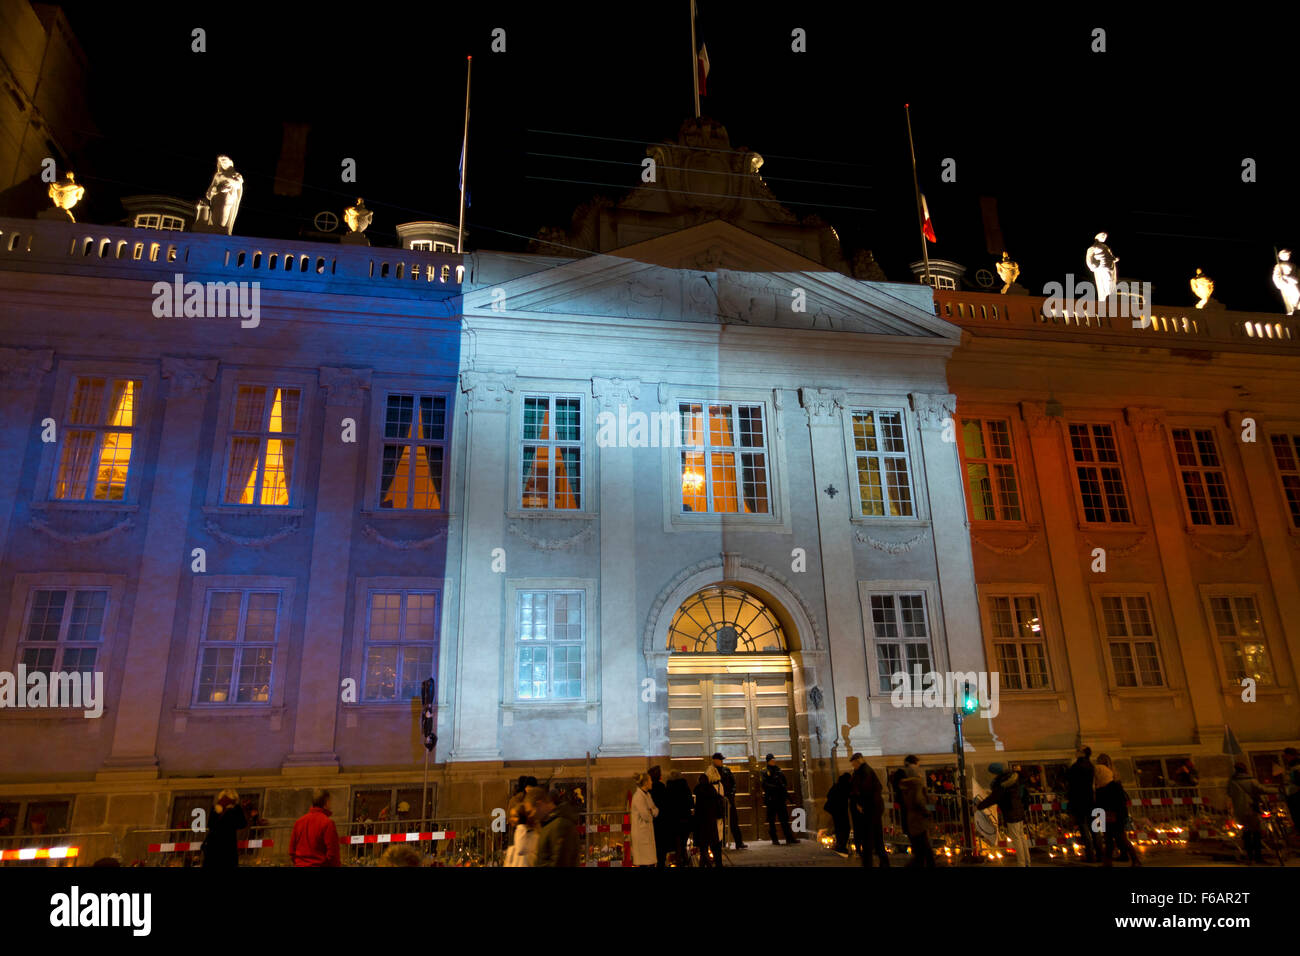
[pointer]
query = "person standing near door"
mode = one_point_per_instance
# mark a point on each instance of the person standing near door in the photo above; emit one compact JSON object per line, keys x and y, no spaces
{"x":729,"y":793}
{"x":774,"y":798}
{"x":867,"y":803}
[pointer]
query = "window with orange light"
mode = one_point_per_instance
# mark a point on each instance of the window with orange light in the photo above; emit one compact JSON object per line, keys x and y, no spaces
{"x":551,"y":456}
{"x":724,"y":458}
{"x":411,"y":472}
{"x":263,"y":440}
{"x":95,"y":457}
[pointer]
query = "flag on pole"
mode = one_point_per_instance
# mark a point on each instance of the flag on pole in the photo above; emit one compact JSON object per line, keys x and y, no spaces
{"x":703,"y":67}
{"x":927,"y":227}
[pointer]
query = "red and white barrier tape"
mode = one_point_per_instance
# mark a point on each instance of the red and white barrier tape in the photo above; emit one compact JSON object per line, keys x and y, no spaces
{"x":188,"y":847}
{"x":398,"y":837}
{"x":605,"y":863}
{"x":40,"y":853}
{"x":604,"y":828}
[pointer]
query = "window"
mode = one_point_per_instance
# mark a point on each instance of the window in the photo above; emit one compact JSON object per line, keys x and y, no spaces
{"x":1019,"y":642}
{"x":880,"y":451}
{"x":411,"y":472}
{"x":1101,"y":482}
{"x":259,"y":466}
{"x":990,"y":470}
{"x":1204,"y":483}
{"x":401,"y":641}
{"x":550,"y":646}
{"x":422,"y":245}
{"x":94,"y":462}
{"x":156,"y":221}
{"x":1133,"y":655}
{"x":902,"y":636}
{"x":724,"y":469}
{"x":237,"y":647}
{"x":940,"y":282}
{"x":64,"y":630}
{"x":551,"y":459}
{"x":1286,"y":452}
{"x":1241,"y":637}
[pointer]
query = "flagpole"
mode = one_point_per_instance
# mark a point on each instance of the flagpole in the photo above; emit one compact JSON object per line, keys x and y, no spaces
{"x":464,"y":161}
{"x":920,"y":220}
{"x":695,"y":63}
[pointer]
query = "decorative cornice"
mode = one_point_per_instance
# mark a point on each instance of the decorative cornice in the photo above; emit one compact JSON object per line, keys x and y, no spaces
{"x":1036,"y":418}
{"x":613,"y":392}
{"x":551,"y":544}
{"x":1119,"y":552}
{"x":488,"y":391}
{"x":1145,"y":422}
{"x":90,"y":537}
{"x":892,"y":547}
{"x":934,"y":409}
{"x":1018,"y":549}
{"x":395,"y":544}
{"x":778,"y":410}
{"x":189,"y":377}
{"x":344,"y":386}
{"x":22,"y":369}
{"x":1200,"y":545}
{"x":822,"y":405}
{"x":262,"y":541}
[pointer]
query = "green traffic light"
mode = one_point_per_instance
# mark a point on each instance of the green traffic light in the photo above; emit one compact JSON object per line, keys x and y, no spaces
{"x":969,"y":702}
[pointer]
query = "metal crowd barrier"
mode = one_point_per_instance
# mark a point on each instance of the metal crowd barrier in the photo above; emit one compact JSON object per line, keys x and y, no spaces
{"x":151,"y":847}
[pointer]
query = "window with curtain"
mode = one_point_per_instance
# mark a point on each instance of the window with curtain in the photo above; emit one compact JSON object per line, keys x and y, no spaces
{"x":411,"y":473}
{"x":550,"y":646}
{"x":551,"y":453}
{"x":1241,"y":638}
{"x":902,"y":636}
{"x":100,"y":435}
{"x":1019,"y":641}
{"x":64,"y":630}
{"x":401,"y":643}
{"x":1133,"y":654}
{"x":1097,"y":470}
{"x":263,"y":438}
{"x":880,"y":450}
{"x":991,"y":483}
{"x":1286,"y":453}
{"x":724,"y":461}
{"x":237,"y":647}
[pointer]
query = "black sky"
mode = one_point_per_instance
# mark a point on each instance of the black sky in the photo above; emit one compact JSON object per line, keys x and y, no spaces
{"x":1145,"y":140}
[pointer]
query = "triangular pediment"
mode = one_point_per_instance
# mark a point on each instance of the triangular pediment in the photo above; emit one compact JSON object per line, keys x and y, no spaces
{"x":718,"y":274}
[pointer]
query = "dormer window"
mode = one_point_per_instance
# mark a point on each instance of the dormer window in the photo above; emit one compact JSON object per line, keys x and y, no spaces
{"x":941,"y":282}
{"x":151,"y":220}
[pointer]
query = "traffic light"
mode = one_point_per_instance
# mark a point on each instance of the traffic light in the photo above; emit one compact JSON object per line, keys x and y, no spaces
{"x":429,"y":699}
{"x":969,"y":702}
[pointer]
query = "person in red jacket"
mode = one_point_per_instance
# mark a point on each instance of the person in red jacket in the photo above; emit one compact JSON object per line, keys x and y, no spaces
{"x":315,"y":840}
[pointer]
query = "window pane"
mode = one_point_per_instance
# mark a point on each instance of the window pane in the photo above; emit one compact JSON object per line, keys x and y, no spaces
{"x":223,"y":616}
{"x":421,"y":617}
{"x":74,"y":465}
{"x":417,"y":666}
{"x":47,"y":615}
{"x":87,"y":402}
{"x":1122,"y":658}
{"x":1009,"y":665}
{"x":254,"y":675}
{"x":87,"y":616}
{"x":385,"y":616}
{"x":259,"y":626}
{"x":1148,"y":663}
{"x":381,"y":673}
{"x":871,"y":487}
{"x":215,"y":670}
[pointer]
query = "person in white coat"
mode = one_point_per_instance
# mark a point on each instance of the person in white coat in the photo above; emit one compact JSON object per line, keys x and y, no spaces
{"x":523,"y":817}
{"x":643,"y":813}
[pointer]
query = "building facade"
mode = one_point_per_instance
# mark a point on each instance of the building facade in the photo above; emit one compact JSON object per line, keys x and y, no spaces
{"x":683,"y":480}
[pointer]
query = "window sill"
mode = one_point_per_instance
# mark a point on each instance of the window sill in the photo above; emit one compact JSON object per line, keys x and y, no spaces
{"x":1107,"y":527}
{"x":253,"y":511}
{"x":550,"y":515}
{"x":228,"y":710}
{"x":574,"y":709}
{"x":890,"y":522}
{"x":1017,"y":527}
{"x":1227,"y":530}
{"x":55,"y":504}
{"x":410,"y":514}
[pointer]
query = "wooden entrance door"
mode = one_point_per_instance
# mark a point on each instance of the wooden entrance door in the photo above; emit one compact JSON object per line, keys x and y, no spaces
{"x":742,"y":716}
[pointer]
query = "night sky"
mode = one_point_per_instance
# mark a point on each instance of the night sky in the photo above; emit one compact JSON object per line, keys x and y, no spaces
{"x":1145,"y":140}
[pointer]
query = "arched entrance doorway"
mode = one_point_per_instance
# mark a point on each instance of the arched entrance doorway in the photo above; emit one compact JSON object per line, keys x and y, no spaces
{"x":730,"y":691}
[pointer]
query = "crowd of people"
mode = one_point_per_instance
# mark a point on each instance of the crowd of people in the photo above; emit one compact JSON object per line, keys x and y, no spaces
{"x":667,"y":816}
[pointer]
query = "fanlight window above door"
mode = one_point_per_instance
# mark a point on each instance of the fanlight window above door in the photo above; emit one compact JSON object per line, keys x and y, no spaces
{"x":724,"y":620}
